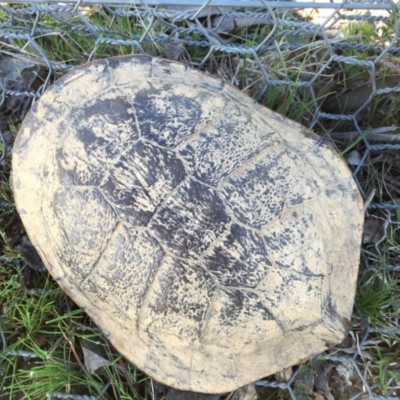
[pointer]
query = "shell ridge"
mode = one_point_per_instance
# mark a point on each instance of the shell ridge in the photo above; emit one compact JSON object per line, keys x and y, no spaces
{"x":232,"y":215}
{"x":82,"y":187}
{"x":139,"y":173}
{"x":265,"y":278}
{"x":107,"y":170}
{"x":195,"y":179}
{"x":153,"y":61}
{"x":245,"y":164}
{"x":119,"y":219}
{"x":286,"y":210}
{"x":212,"y":245}
{"x":171,"y":193}
{"x":194,"y":135}
{"x":235,"y":366}
{"x":190,"y":368}
{"x":266,"y":302}
{"x":207,"y":314}
{"x":231,"y":289}
{"x":110,"y":237}
{"x":149,"y":283}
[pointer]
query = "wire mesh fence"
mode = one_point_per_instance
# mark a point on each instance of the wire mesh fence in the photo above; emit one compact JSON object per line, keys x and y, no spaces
{"x":333,"y":66}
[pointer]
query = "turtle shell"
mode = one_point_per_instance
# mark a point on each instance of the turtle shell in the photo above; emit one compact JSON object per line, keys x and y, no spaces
{"x":212,"y":240}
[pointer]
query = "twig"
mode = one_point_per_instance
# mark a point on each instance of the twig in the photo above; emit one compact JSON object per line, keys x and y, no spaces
{"x":374,"y":135}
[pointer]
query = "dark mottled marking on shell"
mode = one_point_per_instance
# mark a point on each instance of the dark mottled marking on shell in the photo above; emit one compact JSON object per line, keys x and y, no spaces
{"x":190,"y":221}
{"x":108,"y":127}
{"x":243,"y":303}
{"x":103,"y":130}
{"x":301,"y":261}
{"x":231,"y":314}
{"x":225,"y":146}
{"x":141,"y":180}
{"x":167,"y":121}
{"x":290,"y":235}
{"x":257,"y":196}
{"x":77,"y":172}
{"x":240,"y":259}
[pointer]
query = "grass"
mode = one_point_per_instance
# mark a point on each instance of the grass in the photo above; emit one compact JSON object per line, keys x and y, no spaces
{"x":43,"y":354}
{"x":379,"y":298}
{"x":46,"y":339}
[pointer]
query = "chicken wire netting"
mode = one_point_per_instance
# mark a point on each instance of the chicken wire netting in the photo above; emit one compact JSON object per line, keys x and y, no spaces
{"x":332,"y":66}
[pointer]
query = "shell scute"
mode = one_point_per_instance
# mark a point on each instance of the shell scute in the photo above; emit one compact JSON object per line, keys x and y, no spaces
{"x":230,"y":314}
{"x":107,"y":127}
{"x":240,"y":259}
{"x":168,"y":117}
{"x":142,"y":179}
{"x":95,"y":138}
{"x":294,"y":299}
{"x":130,"y":261}
{"x":79,"y":237}
{"x":226,"y":145}
{"x":191,"y":221}
{"x":256,"y":195}
{"x":178,"y":302}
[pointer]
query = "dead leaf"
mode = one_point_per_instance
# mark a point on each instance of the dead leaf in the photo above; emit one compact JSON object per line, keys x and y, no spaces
{"x":286,"y":374}
{"x":159,"y":391}
{"x":173,"y":51}
{"x":92,"y":356}
{"x":375,"y":226}
{"x":11,"y":68}
{"x":247,"y":392}
{"x":304,"y":384}
{"x":29,"y":254}
{"x":226,"y":24}
{"x":353,"y":158}
{"x":18,"y":106}
{"x":322,"y":369}
{"x":40,"y":340}
{"x":349,"y":100}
